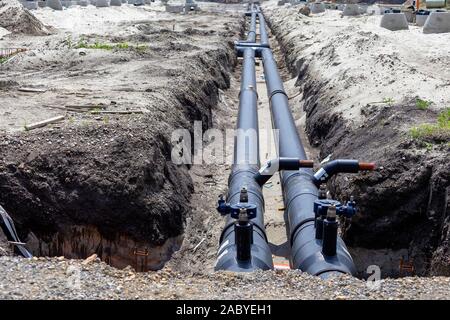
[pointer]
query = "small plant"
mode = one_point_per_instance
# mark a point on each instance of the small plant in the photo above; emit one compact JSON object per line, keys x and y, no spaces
{"x":141,"y":48}
{"x":122,"y":45}
{"x":95,"y":110}
{"x":83,"y":44}
{"x":440,"y":129}
{"x":69,"y":42}
{"x":388,"y":101}
{"x":422,"y":104}
{"x":444,"y":119}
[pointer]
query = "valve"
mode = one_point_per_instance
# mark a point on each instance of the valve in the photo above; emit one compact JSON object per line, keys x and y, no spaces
{"x":321,"y":207}
{"x":243,"y":212}
{"x":234,"y":210}
{"x":326,"y":224}
{"x":330,"y":232}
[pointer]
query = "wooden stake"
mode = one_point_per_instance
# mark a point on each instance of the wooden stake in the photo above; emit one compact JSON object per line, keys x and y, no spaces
{"x":44,"y":123}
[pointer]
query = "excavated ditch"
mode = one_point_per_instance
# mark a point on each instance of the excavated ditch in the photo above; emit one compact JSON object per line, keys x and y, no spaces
{"x":110,"y":187}
{"x":403,"y":205}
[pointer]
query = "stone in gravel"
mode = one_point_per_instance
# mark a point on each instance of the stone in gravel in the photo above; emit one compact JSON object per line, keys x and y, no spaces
{"x":89,"y":259}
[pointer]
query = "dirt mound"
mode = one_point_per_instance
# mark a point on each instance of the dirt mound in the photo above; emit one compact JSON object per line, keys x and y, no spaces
{"x":16,"y":19}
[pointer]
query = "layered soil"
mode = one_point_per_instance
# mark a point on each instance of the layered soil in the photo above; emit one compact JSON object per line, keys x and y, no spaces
{"x":363,"y":90}
{"x":105,"y":182}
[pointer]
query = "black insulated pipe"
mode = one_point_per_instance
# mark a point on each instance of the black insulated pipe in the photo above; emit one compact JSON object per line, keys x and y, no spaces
{"x":233,"y":240}
{"x":251,"y":35}
{"x":264,"y":38}
{"x":275,"y":165}
{"x":300,"y":192}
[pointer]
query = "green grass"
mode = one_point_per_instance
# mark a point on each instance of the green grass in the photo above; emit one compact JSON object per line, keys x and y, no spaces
{"x":422,"y":104}
{"x":439,"y":130}
{"x":3,"y":59}
{"x":83,"y":44}
{"x":389,"y":101}
{"x":96,"y":45}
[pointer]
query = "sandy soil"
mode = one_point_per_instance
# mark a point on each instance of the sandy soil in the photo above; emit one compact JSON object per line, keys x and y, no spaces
{"x":358,"y":85}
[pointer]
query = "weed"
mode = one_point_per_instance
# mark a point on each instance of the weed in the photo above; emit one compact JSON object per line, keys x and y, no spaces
{"x":388,"y":101}
{"x":439,"y":130}
{"x":422,"y":104}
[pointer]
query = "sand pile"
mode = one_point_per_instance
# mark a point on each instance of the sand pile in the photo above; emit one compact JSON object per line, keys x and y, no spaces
{"x":16,"y":19}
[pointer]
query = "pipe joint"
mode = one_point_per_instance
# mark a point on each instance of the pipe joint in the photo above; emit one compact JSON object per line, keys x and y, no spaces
{"x":340,"y":166}
{"x":275,"y":165}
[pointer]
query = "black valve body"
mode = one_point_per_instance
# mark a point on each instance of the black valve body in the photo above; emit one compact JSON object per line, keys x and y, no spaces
{"x":244,"y":239}
{"x":330,"y":234}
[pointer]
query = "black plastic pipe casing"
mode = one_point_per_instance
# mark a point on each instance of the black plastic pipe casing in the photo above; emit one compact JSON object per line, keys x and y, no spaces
{"x":245,"y":166}
{"x":299,"y":190}
{"x":264,"y":38}
{"x":251,"y":36}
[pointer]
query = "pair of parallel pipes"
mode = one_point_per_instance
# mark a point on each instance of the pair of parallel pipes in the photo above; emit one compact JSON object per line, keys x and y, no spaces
{"x":300,"y":186}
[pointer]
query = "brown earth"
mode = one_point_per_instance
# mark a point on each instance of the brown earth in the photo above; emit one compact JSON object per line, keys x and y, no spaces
{"x":403,"y":204}
{"x":110,"y":175}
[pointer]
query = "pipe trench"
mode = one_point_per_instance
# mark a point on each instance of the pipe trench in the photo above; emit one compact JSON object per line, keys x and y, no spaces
{"x":300,"y":187}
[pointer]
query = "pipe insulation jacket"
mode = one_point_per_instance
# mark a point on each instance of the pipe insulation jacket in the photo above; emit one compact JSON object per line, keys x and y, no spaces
{"x":298,"y":188}
{"x":245,"y":166}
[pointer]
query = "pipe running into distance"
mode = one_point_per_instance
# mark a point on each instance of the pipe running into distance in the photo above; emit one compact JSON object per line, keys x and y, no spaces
{"x":299,"y":190}
{"x":316,"y":247}
{"x":243,"y":244}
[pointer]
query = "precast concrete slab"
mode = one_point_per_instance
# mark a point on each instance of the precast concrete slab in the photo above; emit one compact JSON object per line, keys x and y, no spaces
{"x":351,"y":10}
{"x":102,"y":3}
{"x":116,"y":3}
{"x":421,"y":19}
{"x":437,"y":22}
{"x":317,"y":7}
{"x":30,"y":5}
{"x":394,"y":21}
{"x":54,"y":4}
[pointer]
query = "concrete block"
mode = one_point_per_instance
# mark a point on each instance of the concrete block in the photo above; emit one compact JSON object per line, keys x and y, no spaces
{"x":437,"y":22}
{"x":102,"y":3}
{"x":351,"y":10}
{"x":66,"y":4}
{"x":317,"y":7}
{"x":394,"y":21}
{"x":30,"y":5}
{"x":42,"y":4}
{"x":54,"y":4}
{"x":139,"y":2}
{"x":83,"y":3}
{"x":340,"y":7}
{"x":116,"y":3}
{"x":175,"y":8}
{"x":363,"y":8}
{"x":421,"y":19}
